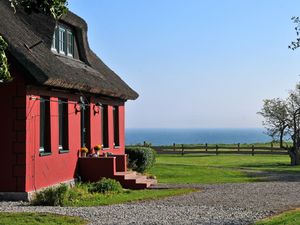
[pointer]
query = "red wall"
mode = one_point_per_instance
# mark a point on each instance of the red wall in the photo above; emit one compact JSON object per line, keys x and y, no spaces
{"x":12,"y":134}
{"x":42,"y":171}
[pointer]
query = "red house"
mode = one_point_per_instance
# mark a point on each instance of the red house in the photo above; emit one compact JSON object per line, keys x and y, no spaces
{"x":62,"y":98}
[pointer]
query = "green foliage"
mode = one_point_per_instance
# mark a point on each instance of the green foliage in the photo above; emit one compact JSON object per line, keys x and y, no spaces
{"x":53,"y":196}
{"x":296,"y":44}
{"x":140,"y":159}
{"x":4,"y":68}
{"x":56,"y":8}
{"x":104,"y":192}
{"x":38,"y":219}
{"x":82,"y":198}
{"x":106,"y":185}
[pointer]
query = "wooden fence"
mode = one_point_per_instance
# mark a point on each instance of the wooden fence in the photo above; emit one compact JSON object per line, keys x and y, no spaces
{"x":219,"y":149}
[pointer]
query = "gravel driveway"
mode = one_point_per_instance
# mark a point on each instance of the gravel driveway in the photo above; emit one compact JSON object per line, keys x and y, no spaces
{"x":215,"y":204}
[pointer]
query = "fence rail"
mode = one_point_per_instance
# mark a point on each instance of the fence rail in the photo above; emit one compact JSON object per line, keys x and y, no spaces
{"x":219,"y":149}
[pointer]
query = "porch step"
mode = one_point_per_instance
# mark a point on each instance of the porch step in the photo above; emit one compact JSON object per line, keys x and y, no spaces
{"x":133,"y":180}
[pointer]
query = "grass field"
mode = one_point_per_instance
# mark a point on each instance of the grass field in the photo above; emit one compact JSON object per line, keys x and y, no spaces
{"x":217,"y":169}
{"x":39,"y":219}
{"x":286,"y":218}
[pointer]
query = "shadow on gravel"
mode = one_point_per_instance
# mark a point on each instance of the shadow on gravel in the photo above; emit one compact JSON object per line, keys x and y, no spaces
{"x":273,"y":176}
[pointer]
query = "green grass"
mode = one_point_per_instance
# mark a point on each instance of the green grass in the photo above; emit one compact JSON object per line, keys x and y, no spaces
{"x":217,"y":169}
{"x":84,"y":198}
{"x":287,"y":218}
{"x":38,"y":219}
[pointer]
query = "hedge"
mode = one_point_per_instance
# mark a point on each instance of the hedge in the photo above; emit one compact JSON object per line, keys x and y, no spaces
{"x":140,"y":159}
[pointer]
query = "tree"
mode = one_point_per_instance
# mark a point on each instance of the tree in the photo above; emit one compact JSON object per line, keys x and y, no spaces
{"x":282,"y":117}
{"x":293,"y":105}
{"x":296,"y":44}
{"x":275,"y":114}
{"x":56,"y":8}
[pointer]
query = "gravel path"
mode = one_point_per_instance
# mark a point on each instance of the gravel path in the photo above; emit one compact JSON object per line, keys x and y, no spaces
{"x":215,"y":204}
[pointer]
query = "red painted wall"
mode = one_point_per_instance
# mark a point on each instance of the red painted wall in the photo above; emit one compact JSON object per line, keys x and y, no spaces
{"x":12,"y":134}
{"x":43,"y":171}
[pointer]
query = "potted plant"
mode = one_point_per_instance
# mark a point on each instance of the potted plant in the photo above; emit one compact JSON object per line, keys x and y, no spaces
{"x":97,"y":148}
{"x":83,"y":152}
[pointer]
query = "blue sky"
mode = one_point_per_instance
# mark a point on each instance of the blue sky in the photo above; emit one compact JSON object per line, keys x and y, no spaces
{"x":196,"y":63}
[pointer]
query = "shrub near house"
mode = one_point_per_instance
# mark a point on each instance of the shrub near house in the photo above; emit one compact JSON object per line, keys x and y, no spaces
{"x":140,"y":159}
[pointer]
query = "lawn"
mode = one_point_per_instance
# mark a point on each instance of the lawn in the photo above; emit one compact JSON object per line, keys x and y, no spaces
{"x":217,"y":169}
{"x":97,"y":199}
{"x":287,"y":218}
{"x":39,"y":219}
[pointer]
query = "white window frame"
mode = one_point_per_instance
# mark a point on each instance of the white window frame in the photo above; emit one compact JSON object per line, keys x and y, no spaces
{"x":54,"y":46}
{"x":62,"y":40}
{"x":70,"y":43}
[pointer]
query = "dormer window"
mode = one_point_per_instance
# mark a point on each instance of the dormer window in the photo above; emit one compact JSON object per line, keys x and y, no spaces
{"x":63,"y":41}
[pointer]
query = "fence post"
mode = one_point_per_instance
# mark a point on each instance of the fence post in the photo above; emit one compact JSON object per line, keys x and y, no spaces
{"x":238,"y":147}
{"x":206,"y":147}
{"x":217,"y":147}
{"x":144,"y":143}
{"x":252,"y":150}
{"x":182,"y":150}
{"x":174,"y":147}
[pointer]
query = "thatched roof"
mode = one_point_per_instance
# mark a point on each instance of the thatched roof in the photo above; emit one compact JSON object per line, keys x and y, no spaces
{"x":90,"y":74}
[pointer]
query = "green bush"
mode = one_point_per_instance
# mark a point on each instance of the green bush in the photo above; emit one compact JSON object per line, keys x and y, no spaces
{"x":53,"y":196}
{"x":140,"y":159}
{"x":106,"y":185}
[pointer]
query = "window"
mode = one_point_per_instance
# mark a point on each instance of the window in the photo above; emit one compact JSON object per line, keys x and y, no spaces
{"x":54,"y":45}
{"x":63,"y":124}
{"x":45,"y":125}
{"x":70,"y":43}
{"x":104,"y":123}
{"x":116,"y":127}
{"x":85,"y":126}
{"x":63,"y":41}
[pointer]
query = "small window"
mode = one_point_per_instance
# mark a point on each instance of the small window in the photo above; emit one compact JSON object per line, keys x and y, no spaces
{"x":104,"y":122}
{"x":63,"y":124}
{"x":45,"y":125}
{"x":54,"y":45}
{"x":116,"y":127}
{"x":62,"y":40}
{"x":70,"y":44}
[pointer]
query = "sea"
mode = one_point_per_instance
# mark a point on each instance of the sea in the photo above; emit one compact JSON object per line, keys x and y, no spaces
{"x":196,"y":136}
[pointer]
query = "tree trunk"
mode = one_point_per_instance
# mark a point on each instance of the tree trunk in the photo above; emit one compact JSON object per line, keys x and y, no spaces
{"x":281,"y":139}
{"x":295,"y":157}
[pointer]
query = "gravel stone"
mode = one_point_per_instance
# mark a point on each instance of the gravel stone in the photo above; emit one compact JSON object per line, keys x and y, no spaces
{"x":214,"y":204}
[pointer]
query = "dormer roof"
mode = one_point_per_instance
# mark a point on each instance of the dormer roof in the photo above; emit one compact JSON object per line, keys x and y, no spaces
{"x":89,"y":74}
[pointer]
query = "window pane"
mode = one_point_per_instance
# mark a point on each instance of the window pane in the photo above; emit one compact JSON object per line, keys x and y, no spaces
{"x":45,"y":139}
{"x":116,"y":126}
{"x":63,"y":124}
{"x":54,"y":45}
{"x":70,"y":44}
{"x":62,"y":40}
{"x":42,"y":123}
{"x":105,"y":126}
